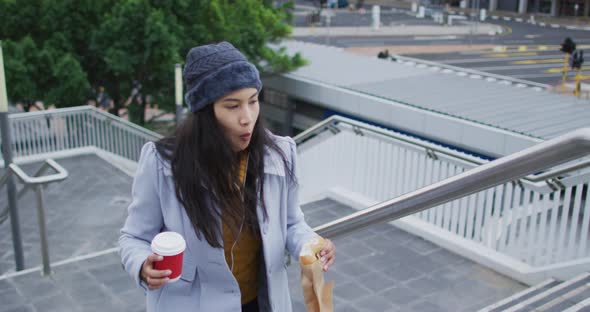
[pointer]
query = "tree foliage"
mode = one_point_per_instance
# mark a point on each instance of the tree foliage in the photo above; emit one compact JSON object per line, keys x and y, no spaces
{"x":58,"y":50}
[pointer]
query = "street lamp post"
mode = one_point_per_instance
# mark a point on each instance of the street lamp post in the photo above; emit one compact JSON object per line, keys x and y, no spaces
{"x":178,"y":92}
{"x":10,"y":185}
{"x":328,"y":22}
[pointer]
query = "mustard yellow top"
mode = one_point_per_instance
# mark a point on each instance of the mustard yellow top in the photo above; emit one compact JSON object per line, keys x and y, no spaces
{"x":246,"y":251}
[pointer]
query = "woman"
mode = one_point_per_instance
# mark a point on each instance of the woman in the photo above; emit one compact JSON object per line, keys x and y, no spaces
{"x":227,"y":185}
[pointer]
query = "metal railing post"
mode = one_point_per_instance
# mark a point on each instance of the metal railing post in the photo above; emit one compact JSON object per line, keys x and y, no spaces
{"x":43,"y":230}
{"x":10,"y":186}
{"x":38,"y":183}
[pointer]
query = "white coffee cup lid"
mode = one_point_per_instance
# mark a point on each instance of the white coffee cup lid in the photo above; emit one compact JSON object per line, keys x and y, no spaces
{"x":168,"y":244}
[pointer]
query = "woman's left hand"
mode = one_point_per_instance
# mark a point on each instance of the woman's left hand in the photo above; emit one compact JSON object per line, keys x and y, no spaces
{"x":327,"y":255}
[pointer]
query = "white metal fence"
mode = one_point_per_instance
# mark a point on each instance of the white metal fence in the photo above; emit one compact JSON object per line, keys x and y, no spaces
{"x":64,"y":129}
{"x":536,"y":223}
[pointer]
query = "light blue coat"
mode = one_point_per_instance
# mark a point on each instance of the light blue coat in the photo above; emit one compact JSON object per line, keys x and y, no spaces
{"x":206,"y":283}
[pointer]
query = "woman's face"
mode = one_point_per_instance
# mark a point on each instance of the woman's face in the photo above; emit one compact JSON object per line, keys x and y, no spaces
{"x":236,"y":113}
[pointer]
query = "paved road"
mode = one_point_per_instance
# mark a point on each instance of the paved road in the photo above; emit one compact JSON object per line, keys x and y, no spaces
{"x":524,"y":51}
{"x":539,"y":63}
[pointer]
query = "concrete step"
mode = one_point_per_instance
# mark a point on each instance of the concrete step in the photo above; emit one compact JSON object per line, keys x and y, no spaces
{"x":557,"y":298}
{"x":521,"y":296}
{"x":567,"y":300}
{"x":583,"y":306}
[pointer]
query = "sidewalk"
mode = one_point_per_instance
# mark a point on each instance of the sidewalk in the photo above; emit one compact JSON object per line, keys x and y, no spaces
{"x":414,"y":30}
{"x":568,"y":22}
{"x":419,"y":49}
{"x":381,"y":269}
{"x":563,"y":21}
{"x":83,"y":213}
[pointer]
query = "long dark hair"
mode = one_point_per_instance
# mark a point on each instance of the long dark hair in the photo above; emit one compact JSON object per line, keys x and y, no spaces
{"x":204,"y":166}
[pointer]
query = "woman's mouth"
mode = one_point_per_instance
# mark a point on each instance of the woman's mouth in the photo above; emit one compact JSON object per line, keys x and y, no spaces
{"x":246,"y":136}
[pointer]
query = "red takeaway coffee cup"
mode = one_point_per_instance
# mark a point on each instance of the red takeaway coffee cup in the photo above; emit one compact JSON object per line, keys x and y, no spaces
{"x":169,"y":245}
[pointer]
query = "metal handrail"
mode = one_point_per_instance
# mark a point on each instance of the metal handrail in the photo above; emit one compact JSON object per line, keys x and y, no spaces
{"x":330,"y":123}
{"x":21,"y":193}
{"x":553,"y":152}
{"x":61,"y":174}
{"x":38,"y":183}
{"x":77,"y":127}
{"x":127,"y":123}
{"x":83,"y":109}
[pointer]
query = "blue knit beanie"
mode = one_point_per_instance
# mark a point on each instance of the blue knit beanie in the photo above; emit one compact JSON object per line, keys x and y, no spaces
{"x":214,"y":70}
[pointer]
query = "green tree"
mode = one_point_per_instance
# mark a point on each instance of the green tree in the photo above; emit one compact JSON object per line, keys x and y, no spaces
{"x":43,"y":73}
{"x":56,"y":50}
{"x":146,"y":53}
{"x":46,"y":53}
{"x":19,"y":58}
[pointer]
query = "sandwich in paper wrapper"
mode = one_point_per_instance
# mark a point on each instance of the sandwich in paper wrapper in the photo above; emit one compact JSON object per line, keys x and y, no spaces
{"x":317,"y":293}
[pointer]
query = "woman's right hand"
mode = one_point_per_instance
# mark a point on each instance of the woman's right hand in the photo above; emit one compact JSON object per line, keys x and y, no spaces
{"x":155,"y":279}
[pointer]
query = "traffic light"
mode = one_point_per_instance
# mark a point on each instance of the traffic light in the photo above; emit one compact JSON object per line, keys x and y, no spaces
{"x":568,"y":46}
{"x":576,"y":59}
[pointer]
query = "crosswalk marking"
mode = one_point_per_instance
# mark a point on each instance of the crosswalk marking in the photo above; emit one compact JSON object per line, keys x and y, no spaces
{"x":570,"y":76}
{"x":531,"y":62}
{"x":511,"y":54}
{"x":516,"y":67}
{"x":560,"y":69}
{"x":498,"y":59}
{"x":522,"y":48}
{"x":519,"y":49}
{"x":534,"y":62}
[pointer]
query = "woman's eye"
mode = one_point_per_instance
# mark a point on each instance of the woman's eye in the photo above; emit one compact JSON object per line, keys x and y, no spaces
{"x":253,"y":102}
{"x":232,"y":107}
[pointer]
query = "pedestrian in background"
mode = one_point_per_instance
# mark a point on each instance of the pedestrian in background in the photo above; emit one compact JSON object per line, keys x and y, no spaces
{"x":134,"y":104}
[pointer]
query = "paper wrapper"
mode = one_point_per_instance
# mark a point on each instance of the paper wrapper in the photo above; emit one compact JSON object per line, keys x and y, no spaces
{"x":317,"y":293}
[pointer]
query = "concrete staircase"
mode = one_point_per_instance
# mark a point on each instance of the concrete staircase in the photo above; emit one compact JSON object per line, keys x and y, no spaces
{"x":551,"y":295}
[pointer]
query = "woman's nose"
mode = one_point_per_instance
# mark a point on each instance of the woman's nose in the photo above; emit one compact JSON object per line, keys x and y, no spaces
{"x":246,"y":117}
